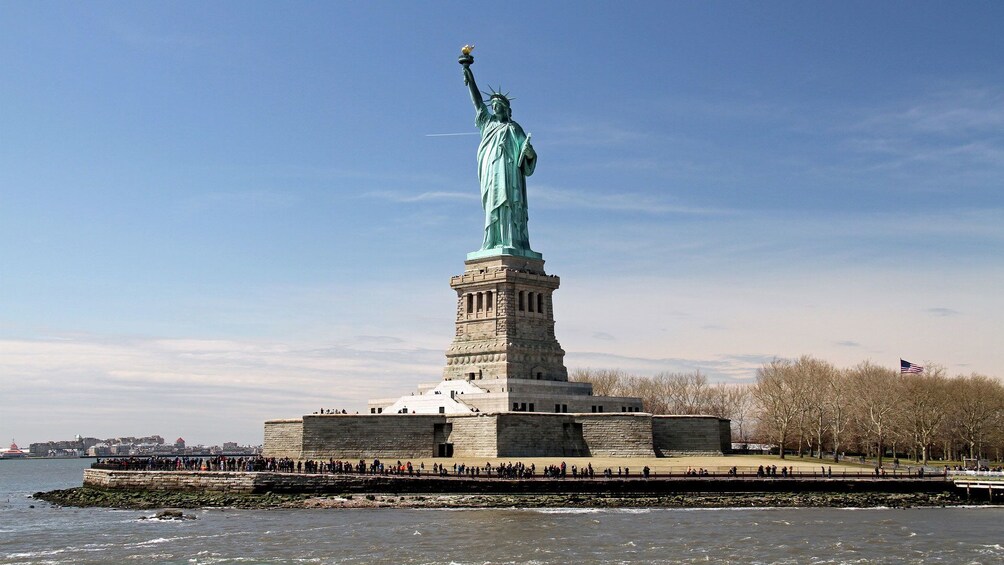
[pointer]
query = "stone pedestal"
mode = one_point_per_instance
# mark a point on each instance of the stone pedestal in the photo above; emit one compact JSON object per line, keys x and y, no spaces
{"x":505,"y":322}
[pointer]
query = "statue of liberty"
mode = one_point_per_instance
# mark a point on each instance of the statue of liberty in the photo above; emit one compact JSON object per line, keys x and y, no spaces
{"x":505,"y":159}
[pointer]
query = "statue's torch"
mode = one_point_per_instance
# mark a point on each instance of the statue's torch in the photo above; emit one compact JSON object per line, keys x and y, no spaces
{"x":466,"y":59}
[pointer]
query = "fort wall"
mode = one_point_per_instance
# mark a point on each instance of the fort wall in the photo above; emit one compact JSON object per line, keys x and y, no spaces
{"x":507,"y":434}
{"x":355,"y":437}
{"x":539,"y":435}
{"x":617,"y":435}
{"x":689,"y":435}
{"x":473,"y":436}
{"x":284,"y":438}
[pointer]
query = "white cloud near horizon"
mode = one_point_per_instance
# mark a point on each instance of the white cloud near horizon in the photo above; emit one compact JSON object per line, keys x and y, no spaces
{"x":220,"y":389}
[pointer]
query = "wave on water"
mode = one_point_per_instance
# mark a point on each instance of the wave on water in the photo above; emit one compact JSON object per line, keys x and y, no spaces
{"x":155,"y":541}
{"x":589,"y":510}
{"x":31,"y":554}
{"x":733,"y":509}
{"x":568,"y":510}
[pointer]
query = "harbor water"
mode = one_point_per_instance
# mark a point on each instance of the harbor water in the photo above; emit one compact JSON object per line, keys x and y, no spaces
{"x":32,"y":531}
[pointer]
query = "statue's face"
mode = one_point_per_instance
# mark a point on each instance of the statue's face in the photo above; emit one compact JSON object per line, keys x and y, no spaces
{"x":501,"y":109}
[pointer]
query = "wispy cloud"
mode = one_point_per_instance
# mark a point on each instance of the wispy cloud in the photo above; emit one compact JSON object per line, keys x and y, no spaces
{"x":379,"y":340}
{"x":238,"y":383}
{"x":139,"y":37}
{"x":257,"y":199}
{"x":950,"y":113}
{"x":726,"y":368}
{"x":593,"y":134}
{"x":848,"y":343}
{"x":943,"y":312}
{"x":953,"y":130}
{"x":395,"y":196}
{"x":557,"y":197}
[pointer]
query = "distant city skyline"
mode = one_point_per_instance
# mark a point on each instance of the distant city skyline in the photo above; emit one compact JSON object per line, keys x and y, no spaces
{"x":213,"y":215}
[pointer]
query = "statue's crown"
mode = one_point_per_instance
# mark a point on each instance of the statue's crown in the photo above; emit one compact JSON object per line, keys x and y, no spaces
{"x":498,"y":95}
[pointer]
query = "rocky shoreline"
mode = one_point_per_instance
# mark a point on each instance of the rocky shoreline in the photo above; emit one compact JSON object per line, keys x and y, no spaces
{"x":140,"y":499}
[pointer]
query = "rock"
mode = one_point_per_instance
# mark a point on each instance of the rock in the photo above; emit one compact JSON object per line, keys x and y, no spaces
{"x":172,"y":515}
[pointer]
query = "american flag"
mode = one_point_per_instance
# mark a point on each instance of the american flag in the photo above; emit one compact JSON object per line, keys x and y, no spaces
{"x":908,"y":367}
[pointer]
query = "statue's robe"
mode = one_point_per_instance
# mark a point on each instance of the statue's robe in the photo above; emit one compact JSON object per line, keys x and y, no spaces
{"x":503,"y":181}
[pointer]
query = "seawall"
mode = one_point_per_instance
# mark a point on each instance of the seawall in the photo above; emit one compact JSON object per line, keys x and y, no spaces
{"x":295,"y":483}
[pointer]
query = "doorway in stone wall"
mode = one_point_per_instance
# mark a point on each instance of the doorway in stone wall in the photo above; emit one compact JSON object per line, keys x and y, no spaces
{"x":444,"y":450}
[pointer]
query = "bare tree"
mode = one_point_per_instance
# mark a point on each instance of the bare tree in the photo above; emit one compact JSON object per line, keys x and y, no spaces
{"x":876,"y":398}
{"x":836,"y":400}
{"x":925,"y":403}
{"x":776,"y":394}
{"x":606,"y":382}
{"x":733,"y":401}
{"x":978,"y":403}
{"x":684,"y":393}
{"x":814,"y":377}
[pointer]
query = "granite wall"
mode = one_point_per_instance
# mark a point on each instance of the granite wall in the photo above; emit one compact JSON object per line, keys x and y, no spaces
{"x":617,"y":435}
{"x":508,"y":434}
{"x":217,"y":481}
{"x":354,"y":437}
{"x":539,"y":435}
{"x":284,"y":438}
{"x":689,"y":435}
{"x":474,"y":436}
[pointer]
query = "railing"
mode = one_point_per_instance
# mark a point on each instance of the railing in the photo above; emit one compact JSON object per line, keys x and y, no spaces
{"x":976,"y":475}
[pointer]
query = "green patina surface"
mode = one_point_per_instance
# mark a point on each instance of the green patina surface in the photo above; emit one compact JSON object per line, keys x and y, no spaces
{"x":505,"y":159}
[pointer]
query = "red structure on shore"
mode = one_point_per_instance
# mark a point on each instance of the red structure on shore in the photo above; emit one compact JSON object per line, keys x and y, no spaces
{"x":14,"y":452}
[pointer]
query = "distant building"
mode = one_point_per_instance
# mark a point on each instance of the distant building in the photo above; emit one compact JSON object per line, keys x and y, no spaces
{"x":99,"y":450}
{"x":121,"y":449}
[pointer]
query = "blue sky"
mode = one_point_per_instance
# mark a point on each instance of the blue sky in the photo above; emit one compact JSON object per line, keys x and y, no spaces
{"x":211,"y":215}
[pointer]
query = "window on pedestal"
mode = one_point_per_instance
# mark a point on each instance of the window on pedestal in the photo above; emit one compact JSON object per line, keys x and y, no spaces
{"x":531,"y":407}
{"x":540,"y":303}
{"x":481,"y":302}
{"x":519,"y":302}
{"x":515,"y":406}
{"x":529,"y":302}
{"x":470,"y":303}
{"x":489,"y":301}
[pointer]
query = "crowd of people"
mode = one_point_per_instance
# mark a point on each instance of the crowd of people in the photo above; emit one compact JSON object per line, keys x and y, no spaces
{"x":163,"y":463}
{"x":510,"y":470}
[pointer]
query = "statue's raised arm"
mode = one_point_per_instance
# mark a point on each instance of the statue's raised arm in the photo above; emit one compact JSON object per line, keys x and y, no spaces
{"x":475,"y":93}
{"x":505,"y":159}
